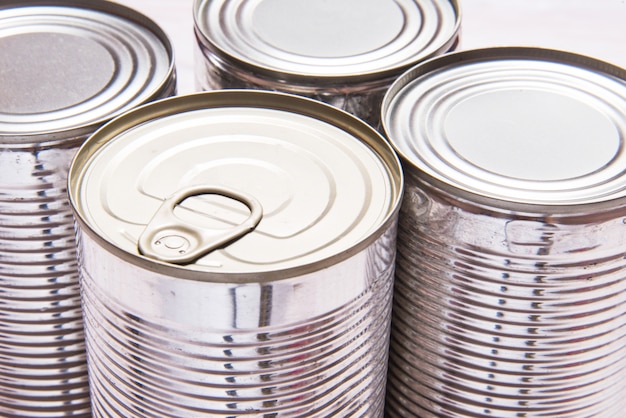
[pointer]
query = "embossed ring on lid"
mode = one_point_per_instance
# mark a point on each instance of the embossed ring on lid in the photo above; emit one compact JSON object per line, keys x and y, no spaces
{"x":338,"y":40}
{"x":69,"y":67}
{"x":520,"y":125}
{"x":326,"y":182}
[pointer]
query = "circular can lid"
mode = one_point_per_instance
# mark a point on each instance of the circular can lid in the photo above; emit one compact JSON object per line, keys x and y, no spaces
{"x":332,"y":40}
{"x":306,"y":183}
{"x":521,"y":125}
{"x":71,"y":65}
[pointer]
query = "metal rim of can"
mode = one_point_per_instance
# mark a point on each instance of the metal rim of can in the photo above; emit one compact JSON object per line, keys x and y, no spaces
{"x":251,"y":52}
{"x":436,"y":169}
{"x":233,"y":98}
{"x":123,"y":39}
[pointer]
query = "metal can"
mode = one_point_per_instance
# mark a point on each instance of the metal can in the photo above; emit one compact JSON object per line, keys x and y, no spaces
{"x":345,"y":52}
{"x":66,"y":67}
{"x":237,"y":255}
{"x":510,"y":294}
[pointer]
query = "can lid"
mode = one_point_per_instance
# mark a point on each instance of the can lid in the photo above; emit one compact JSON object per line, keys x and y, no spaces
{"x":258,"y":181}
{"x":337,"y":39}
{"x":68,"y":65}
{"x":521,"y":125}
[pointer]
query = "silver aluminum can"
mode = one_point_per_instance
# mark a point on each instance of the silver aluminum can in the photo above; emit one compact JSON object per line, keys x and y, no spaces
{"x":343,"y":52}
{"x":510,"y":295}
{"x":65,"y":68}
{"x":237,"y":255}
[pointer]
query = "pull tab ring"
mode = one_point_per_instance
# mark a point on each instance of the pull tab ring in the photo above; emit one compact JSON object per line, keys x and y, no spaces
{"x":170,"y":239}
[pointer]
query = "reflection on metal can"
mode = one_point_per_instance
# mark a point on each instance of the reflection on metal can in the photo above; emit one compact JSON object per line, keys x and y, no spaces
{"x":345,"y":52}
{"x":237,"y":254}
{"x":511,"y":277}
{"x":66,"y":67}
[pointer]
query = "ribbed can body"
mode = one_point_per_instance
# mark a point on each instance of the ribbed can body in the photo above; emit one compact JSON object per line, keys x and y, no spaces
{"x":507,"y":313}
{"x":243,"y":266}
{"x":41,"y":339}
{"x":362,"y":100}
{"x":309,"y":346}
{"x":67,"y":68}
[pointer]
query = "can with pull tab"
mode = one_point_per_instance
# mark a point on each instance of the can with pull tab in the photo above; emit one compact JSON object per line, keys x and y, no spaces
{"x":237,"y":252}
{"x":167,"y":239}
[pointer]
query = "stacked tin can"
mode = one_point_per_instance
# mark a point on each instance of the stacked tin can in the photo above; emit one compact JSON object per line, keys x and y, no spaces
{"x":67,"y":67}
{"x":510,"y":295}
{"x":345,"y":52}
{"x":237,"y":253}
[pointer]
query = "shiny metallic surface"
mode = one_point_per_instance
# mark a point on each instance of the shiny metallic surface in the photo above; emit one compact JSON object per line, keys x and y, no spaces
{"x":42,"y":350}
{"x":59,"y":82}
{"x":119,"y":59}
{"x":166,"y":238}
{"x":292,"y":318}
{"x":313,"y":345}
{"x":505,"y":307}
{"x":345,"y":52}
{"x":514,"y":124}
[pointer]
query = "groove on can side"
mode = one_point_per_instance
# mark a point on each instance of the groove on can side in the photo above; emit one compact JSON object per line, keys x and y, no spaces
{"x":333,"y":363}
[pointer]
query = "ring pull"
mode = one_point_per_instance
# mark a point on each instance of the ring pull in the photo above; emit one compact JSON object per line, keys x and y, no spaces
{"x":170,"y":239}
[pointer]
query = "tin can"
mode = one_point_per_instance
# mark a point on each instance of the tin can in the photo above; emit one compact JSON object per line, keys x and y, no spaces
{"x":66,"y":67}
{"x":510,"y":294}
{"x":345,"y":52}
{"x":237,"y":253}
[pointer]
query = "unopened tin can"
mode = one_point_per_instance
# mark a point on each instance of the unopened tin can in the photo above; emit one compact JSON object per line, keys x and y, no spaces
{"x":65,"y":68}
{"x":237,"y":253}
{"x":343,"y":52}
{"x":510,"y":295}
